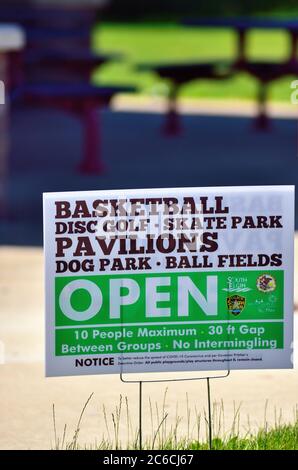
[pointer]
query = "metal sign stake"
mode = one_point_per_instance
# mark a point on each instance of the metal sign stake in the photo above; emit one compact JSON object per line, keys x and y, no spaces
{"x":209,"y":414}
{"x":140,"y":382}
{"x":140,"y":416}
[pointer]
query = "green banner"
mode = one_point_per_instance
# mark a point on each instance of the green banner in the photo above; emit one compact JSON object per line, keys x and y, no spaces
{"x":170,"y":338}
{"x":145,"y":313}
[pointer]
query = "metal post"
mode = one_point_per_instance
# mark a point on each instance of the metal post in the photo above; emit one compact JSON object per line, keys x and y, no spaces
{"x":174,"y":380}
{"x":172,"y":125}
{"x":262,"y":120}
{"x":209,"y":414}
{"x":91,"y":162}
{"x":140,"y":416}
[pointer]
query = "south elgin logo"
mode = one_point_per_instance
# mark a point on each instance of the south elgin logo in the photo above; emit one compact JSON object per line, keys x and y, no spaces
{"x":235,"y":304}
{"x":266,"y":283}
{"x":237,"y":284}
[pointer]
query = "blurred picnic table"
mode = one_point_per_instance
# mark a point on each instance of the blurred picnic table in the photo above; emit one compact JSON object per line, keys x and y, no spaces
{"x":56,"y":67}
{"x":243,"y":25}
{"x":264,"y":71}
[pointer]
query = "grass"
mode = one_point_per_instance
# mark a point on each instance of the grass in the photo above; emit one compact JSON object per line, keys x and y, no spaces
{"x":281,"y":438}
{"x":160,"y":43}
{"x":160,"y":434}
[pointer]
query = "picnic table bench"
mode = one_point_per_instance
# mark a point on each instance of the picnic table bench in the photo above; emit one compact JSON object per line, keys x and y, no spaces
{"x":265,"y":71}
{"x":61,"y":79}
{"x":71,"y":65}
{"x":83,"y":100}
{"x":179,"y":74}
{"x":56,"y":67}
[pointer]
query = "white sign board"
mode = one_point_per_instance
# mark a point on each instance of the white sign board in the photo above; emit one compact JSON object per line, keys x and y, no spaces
{"x":152,"y":280}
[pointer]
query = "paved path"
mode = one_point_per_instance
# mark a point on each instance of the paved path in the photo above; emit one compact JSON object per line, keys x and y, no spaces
{"x":213,"y":150}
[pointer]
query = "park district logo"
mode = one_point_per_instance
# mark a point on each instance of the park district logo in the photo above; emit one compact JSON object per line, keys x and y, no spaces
{"x":236,"y":304}
{"x":237,"y":284}
{"x":266,"y":283}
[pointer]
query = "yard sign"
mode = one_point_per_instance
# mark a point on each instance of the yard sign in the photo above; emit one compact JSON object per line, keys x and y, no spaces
{"x":164,"y":280}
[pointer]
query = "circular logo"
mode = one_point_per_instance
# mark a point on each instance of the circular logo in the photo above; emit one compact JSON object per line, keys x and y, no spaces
{"x":266,"y":283}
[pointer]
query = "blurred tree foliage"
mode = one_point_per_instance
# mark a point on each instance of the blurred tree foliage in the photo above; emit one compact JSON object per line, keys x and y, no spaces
{"x":165,"y":10}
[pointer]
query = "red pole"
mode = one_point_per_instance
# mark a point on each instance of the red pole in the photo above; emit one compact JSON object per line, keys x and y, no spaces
{"x":92,"y":153}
